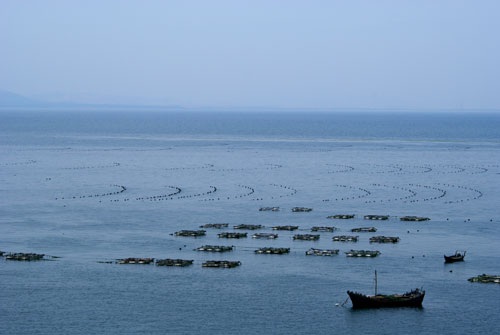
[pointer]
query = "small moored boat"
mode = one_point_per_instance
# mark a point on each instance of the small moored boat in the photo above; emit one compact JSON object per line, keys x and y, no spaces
{"x":457,"y":257}
{"x":413,"y":298}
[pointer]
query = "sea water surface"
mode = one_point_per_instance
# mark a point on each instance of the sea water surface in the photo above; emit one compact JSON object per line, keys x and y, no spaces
{"x":60,"y":173}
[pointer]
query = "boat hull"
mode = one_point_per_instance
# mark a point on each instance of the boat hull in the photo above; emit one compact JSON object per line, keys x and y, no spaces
{"x":413,"y":299}
{"x":453,"y":259}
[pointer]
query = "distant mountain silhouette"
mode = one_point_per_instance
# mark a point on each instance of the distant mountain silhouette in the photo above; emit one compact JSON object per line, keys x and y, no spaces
{"x":10,"y":100}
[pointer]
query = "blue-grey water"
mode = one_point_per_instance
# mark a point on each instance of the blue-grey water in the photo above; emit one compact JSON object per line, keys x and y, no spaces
{"x":57,"y":168}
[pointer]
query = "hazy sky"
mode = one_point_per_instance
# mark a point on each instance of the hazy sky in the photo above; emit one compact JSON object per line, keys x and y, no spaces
{"x":320,"y":54}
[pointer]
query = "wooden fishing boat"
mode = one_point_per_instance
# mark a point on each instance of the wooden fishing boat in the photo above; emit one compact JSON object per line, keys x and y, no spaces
{"x":457,"y":257}
{"x":413,"y":298}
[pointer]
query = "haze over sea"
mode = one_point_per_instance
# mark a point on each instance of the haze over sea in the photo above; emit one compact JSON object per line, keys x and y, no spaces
{"x":57,"y":170}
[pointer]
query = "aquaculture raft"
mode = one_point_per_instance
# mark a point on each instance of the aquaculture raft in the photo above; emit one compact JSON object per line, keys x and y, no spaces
{"x":484,"y":278}
{"x":322,"y":252}
{"x":132,"y":260}
{"x":214,"y":248}
{"x":362,"y":253}
{"x":345,"y":238}
{"x":376,"y":217}
{"x":414,"y":218}
{"x":221,"y":264}
{"x":232,"y":235}
{"x":324,"y":229}
{"x":364,"y":230}
{"x":214,"y":225}
{"x":285,"y":228}
{"x":384,"y":239}
{"x":306,"y":237}
{"x":193,"y":233}
{"x":174,"y":262}
{"x":341,"y":216}
{"x":267,"y":209}
{"x":265,"y":235}
{"x":273,"y":251}
{"x":248,"y":226}
{"x":301,"y":209}
{"x":20,"y":256}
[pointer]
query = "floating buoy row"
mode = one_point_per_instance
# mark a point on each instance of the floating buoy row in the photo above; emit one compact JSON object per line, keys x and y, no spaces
{"x":204,"y":166}
{"x":479,"y":194}
{"x":364,"y":194}
{"x":288,"y":188}
{"x":120,"y":187}
{"x":342,"y":168}
{"x":251,"y":191}
{"x":442,"y":193}
{"x":28,"y":162}
{"x":266,"y":167}
{"x":92,"y":167}
{"x":411,"y":195}
{"x":158,"y":197}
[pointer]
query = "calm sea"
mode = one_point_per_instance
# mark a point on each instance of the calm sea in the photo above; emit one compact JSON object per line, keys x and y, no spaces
{"x":93,"y":187}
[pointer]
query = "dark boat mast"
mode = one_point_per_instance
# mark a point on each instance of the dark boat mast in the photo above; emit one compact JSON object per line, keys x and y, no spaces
{"x":376,"y":282}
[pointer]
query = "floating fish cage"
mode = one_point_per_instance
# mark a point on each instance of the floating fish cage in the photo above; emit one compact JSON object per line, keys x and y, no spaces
{"x":485,"y":279}
{"x":364,"y":230}
{"x":301,"y":209}
{"x":345,"y":238}
{"x":324,"y":229}
{"x":174,"y":262}
{"x":273,"y":251}
{"x":248,"y":226}
{"x":194,"y":233}
{"x":265,"y":235}
{"x":285,"y":228}
{"x":362,"y":253}
{"x":414,"y":218}
{"x":376,"y":217}
{"x":306,"y":237}
{"x":215,"y":225}
{"x":384,"y":239}
{"x":232,"y":235}
{"x":269,"y":209}
{"x":322,"y":252}
{"x":221,"y":264}
{"x":132,"y":260}
{"x":341,"y":216}
{"x":20,"y":256}
{"x":214,"y":248}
